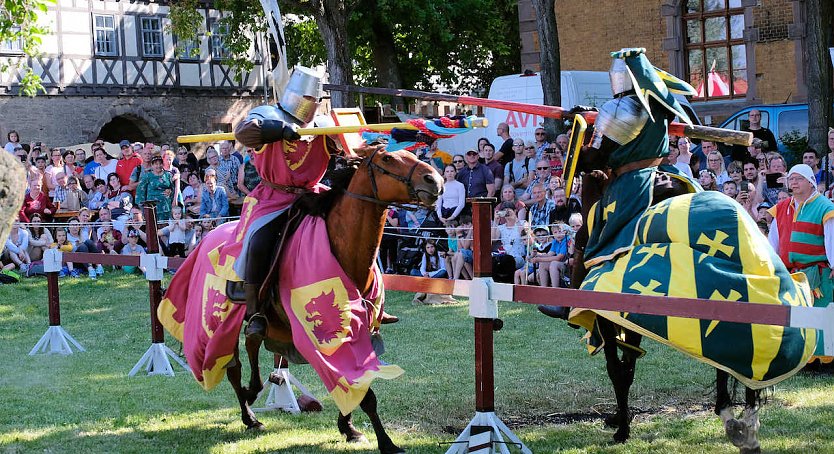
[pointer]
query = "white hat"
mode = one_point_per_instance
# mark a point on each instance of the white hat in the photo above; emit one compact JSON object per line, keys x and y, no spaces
{"x":805,"y":171}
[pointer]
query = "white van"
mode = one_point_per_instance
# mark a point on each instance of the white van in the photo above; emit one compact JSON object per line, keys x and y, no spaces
{"x":587,"y":88}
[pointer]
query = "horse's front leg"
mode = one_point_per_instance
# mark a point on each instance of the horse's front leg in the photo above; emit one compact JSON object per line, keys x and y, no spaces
{"x":256,"y":384}
{"x":246,"y":415}
{"x":621,"y":373}
{"x":369,"y":406}
{"x":345,"y":425}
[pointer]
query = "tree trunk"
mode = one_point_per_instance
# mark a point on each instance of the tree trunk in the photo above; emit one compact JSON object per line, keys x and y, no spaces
{"x":385,"y":59}
{"x":331,"y":17}
{"x":818,"y":35}
{"x":549,"y":55}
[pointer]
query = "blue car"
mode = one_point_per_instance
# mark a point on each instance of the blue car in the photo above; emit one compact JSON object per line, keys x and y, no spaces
{"x":779,"y":118}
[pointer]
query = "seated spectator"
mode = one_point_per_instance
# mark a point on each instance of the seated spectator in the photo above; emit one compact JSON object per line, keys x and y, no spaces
{"x":542,"y":178}
{"x":736,"y":172}
{"x":192,"y":194}
{"x":432,"y":263}
{"x":541,"y":207}
{"x":552,"y":264}
{"x":730,"y":189}
{"x":511,"y":235}
{"x":64,"y":245}
{"x":541,"y":245}
{"x":214,"y":202}
{"x":453,"y":199}
{"x":508,"y":197}
{"x":36,"y":201}
{"x":247,"y":175}
{"x":109,"y":240}
{"x":463,"y":259}
{"x":132,"y":248}
{"x":715,"y":162}
{"x":17,"y":247}
{"x":107,"y":164}
{"x":52,"y":170}
{"x":707,"y":179}
{"x":776,"y":172}
{"x":72,"y":168}
{"x":13,"y":141}
{"x":176,"y":232}
{"x":60,"y":190}
{"x":75,"y":197}
{"x":81,"y":242}
{"x":96,"y":199}
{"x":197,"y":237}
{"x":137,"y":221}
{"x":556,"y":157}
{"x":39,"y":238}
{"x":563,"y":207}
{"x":185,"y":157}
{"x":117,"y":198}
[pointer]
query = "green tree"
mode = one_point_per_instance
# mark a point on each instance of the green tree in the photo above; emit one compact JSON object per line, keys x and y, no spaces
{"x":19,"y":23}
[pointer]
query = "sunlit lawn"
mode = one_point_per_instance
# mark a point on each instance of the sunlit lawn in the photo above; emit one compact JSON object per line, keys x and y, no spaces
{"x":547,"y":389}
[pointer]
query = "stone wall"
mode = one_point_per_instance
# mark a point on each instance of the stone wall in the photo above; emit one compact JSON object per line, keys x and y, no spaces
{"x":69,"y":120}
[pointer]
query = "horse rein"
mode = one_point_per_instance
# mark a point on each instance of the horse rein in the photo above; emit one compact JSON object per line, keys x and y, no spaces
{"x":412,"y":191}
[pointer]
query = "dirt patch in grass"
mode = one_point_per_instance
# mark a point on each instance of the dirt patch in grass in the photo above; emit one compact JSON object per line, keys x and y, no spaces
{"x":640,"y":414}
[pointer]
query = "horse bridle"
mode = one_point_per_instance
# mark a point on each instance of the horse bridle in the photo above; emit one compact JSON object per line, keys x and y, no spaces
{"x":413,"y":192}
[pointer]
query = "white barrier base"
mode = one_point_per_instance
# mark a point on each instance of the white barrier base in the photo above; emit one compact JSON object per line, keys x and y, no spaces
{"x":488,"y":442}
{"x":281,"y":395}
{"x":155,"y":361}
{"x":55,"y":341}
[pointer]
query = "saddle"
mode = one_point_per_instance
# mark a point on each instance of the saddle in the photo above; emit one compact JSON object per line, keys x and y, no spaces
{"x":291,"y":219}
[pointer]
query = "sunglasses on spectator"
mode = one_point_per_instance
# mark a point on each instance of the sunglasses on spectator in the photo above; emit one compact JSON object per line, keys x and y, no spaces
{"x":539,"y":133}
{"x":529,"y":148}
{"x":457,"y":160}
{"x":471,"y":153}
{"x":542,"y":168}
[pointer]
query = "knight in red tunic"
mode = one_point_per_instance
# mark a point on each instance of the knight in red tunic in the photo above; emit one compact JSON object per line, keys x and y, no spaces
{"x":289,"y":166}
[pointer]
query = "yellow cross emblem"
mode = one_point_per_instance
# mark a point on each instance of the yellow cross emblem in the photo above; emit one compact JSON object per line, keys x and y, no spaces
{"x":732,"y":295}
{"x":716,"y":244}
{"x":650,"y":251}
{"x":649,"y":289}
{"x":608,"y":210}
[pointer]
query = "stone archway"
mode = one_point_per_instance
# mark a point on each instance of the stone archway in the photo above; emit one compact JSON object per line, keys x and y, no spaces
{"x":128,"y":122}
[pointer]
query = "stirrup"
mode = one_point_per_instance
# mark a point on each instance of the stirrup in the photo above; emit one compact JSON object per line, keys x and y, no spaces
{"x":256,"y":327}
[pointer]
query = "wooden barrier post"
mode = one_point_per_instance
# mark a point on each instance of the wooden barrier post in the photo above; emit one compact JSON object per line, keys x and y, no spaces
{"x":56,"y":339}
{"x":485,"y":433}
{"x":155,"y":360}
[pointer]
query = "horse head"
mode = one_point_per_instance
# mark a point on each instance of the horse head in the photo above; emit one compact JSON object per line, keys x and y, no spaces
{"x":396,"y":177}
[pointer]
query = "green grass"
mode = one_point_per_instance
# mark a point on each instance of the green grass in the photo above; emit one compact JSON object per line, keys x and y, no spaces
{"x":85,"y":402}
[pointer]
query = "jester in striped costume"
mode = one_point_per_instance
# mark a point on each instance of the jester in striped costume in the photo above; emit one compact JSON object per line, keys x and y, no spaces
{"x":802,"y":233}
{"x":654,"y":231}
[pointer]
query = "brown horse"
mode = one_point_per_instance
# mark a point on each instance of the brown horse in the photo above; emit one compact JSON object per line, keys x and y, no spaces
{"x":355,"y":217}
{"x":621,"y":365}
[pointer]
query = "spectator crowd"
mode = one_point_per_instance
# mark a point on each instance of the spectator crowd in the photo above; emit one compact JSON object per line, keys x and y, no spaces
{"x":77,"y":202}
{"x":93,"y":203}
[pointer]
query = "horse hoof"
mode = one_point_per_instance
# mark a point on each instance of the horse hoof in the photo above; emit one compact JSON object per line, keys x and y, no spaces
{"x":356,"y":438}
{"x":393,"y":449}
{"x":736,"y":431}
{"x":622,"y":436}
{"x":257,"y":427}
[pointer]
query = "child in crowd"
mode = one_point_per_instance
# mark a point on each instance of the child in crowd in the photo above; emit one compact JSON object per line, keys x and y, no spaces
{"x":207,"y":223}
{"x":132,"y":248}
{"x":552,"y":264}
{"x":540,"y":247}
{"x":97,"y":197}
{"x":432,"y":264}
{"x":109,"y":239}
{"x":198,"y":236}
{"x":176,"y":231}
{"x":64,"y":245}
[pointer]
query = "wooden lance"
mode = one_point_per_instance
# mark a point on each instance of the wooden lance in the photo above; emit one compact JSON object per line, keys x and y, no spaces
{"x":720,"y":135}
